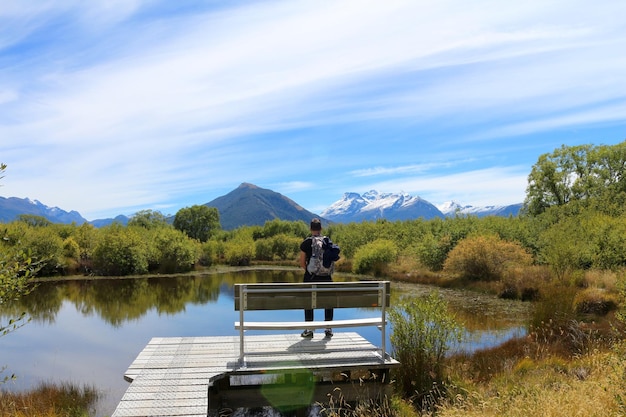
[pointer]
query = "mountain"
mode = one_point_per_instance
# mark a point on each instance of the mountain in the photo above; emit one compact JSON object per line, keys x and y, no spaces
{"x":451,"y":208}
{"x":11,"y":208}
{"x":249,"y":205}
{"x":373,"y":205}
{"x":121,"y":219}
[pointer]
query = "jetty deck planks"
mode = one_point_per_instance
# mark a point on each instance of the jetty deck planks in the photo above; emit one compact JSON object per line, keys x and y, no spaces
{"x":171,"y":376}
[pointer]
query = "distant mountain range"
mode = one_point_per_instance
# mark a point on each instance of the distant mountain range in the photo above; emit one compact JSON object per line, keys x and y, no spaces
{"x":249,"y":205}
{"x":373,"y":205}
{"x":451,"y":208}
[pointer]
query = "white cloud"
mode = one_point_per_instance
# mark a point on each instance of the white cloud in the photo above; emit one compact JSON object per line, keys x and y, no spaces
{"x":107,"y":105}
{"x":489,"y":186}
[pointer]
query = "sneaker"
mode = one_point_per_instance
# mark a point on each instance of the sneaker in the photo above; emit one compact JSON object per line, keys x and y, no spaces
{"x":328,"y":332}
{"x":307,"y":333}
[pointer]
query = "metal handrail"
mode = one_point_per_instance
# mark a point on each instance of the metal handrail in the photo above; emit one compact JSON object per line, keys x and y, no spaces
{"x":309,"y":289}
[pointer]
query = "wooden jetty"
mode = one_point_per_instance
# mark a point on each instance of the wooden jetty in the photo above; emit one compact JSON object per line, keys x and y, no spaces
{"x":192,"y":376}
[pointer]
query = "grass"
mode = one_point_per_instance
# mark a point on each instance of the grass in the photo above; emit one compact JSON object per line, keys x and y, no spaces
{"x":385,"y":407}
{"x":589,"y":385}
{"x":49,"y":400}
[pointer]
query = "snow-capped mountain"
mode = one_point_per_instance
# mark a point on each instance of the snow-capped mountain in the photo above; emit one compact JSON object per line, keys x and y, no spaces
{"x":451,"y":208}
{"x":352,"y":207}
{"x":373,"y":205}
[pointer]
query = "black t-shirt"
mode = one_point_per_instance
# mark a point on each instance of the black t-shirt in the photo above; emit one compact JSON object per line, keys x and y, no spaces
{"x":306,"y":247}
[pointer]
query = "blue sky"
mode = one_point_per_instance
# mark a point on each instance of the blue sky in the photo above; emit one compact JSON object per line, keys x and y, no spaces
{"x":111,"y":107}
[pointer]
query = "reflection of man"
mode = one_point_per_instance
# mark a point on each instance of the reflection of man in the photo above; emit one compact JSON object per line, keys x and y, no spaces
{"x":306,"y":250}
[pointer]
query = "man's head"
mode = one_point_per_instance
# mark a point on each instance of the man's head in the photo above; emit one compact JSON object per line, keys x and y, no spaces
{"x":316,"y":225}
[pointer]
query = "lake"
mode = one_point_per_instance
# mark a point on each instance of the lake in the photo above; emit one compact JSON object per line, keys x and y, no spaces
{"x":88,"y":331}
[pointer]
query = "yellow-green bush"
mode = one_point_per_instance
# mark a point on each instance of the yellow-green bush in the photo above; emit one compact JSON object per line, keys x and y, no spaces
{"x":239,"y":251}
{"x":374,"y":257}
{"x":46,"y":249}
{"x":208,"y":253}
{"x":485,"y":258}
{"x":120,"y":251}
{"x":277,"y":247}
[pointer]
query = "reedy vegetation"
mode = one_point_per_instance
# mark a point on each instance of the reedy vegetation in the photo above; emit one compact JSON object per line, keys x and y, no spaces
{"x":46,"y":400}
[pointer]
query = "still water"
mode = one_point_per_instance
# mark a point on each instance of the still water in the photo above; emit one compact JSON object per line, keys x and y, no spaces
{"x":89,"y":331}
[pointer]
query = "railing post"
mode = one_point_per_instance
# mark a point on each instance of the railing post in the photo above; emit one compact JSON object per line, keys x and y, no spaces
{"x":313,"y":296}
{"x":242,"y":306}
{"x":384,"y":319}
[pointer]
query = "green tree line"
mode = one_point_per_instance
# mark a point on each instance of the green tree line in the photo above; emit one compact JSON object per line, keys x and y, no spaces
{"x":573,"y":219}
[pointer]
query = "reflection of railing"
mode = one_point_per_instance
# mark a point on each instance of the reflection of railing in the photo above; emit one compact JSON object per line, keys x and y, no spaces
{"x":322,"y":295}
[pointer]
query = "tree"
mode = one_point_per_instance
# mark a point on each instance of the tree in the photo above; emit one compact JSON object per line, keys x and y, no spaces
{"x":581,"y":173}
{"x":148,"y":219}
{"x":198,"y":222}
{"x":34,"y":220}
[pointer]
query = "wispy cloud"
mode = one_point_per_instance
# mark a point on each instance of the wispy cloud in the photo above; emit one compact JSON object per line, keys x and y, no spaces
{"x":400,"y":170}
{"x":489,"y":186}
{"x":113,"y":106}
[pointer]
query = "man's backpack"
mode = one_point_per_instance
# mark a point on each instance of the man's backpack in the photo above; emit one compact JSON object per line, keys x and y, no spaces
{"x":324,"y":254}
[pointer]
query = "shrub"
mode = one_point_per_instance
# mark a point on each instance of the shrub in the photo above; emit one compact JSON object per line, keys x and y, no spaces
{"x":71,"y":248}
{"x":422,"y":331}
{"x":120,"y":251}
{"x":46,"y":249}
{"x":485,"y":257}
{"x":524,"y":282}
{"x":374,"y":257}
{"x":285,"y":247}
{"x":595,"y":301}
{"x":263,"y":250}
{"x":208,"y":253}
{"x":432,"y":251}
{"x":279,"y":246}
{"x":239,"y":252}
{"x":176,"y":252}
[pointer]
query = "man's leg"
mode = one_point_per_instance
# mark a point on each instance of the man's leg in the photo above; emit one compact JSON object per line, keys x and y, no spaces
{"x":329,"y":312}
{"x":308,"y":314}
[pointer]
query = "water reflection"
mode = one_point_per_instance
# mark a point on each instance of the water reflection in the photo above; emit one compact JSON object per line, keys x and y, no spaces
{"x":117,"y":301}
{"x":89,"y":331}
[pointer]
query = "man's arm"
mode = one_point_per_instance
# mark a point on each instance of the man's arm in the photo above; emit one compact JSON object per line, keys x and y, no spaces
{"x":302,"y":259}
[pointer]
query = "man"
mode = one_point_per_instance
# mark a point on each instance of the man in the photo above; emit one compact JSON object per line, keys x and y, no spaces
{"x":306,"y":252}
